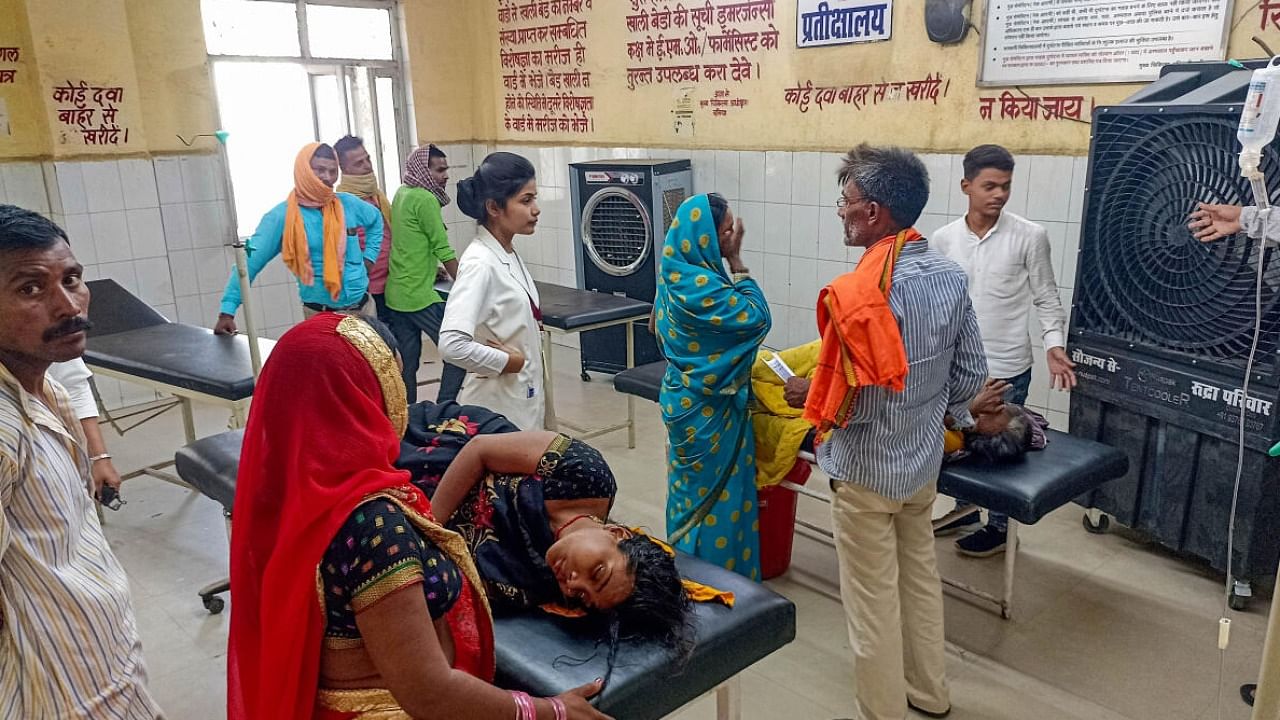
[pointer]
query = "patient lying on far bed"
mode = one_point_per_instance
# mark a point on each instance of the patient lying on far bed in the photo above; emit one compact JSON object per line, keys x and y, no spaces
{"x":1003,"y":432}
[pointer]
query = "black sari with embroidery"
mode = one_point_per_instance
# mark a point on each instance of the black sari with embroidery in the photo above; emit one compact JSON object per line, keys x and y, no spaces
{"x":504,"y":518}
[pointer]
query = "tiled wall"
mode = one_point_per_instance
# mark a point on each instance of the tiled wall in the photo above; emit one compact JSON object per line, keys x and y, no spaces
{"x":158,"y":227}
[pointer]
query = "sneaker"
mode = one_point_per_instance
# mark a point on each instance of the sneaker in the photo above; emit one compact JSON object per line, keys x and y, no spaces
{"x":963,"y":522}
{"x":986,"y":542}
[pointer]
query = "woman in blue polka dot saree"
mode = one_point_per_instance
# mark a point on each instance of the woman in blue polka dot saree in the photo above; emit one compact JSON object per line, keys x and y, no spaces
{"x":710,"y":323}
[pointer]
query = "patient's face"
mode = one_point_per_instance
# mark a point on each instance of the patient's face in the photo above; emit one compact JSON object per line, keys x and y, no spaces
{"x":591,"y":569}
{"x":992,"y":424}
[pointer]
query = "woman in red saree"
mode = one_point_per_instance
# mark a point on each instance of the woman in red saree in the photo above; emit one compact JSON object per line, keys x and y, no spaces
{"x":350,"y":601}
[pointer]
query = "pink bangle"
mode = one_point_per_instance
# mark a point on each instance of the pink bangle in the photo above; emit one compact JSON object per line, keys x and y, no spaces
{"x":558,"y":705}
{"x":524,"y":706}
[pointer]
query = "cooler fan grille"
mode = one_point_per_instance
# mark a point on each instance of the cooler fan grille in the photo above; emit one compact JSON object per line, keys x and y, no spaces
{"x":1143,"y":278}
{"x":616,"y":230}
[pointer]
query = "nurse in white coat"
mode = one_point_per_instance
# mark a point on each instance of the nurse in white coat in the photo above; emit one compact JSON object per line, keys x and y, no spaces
{"x":492,"y":321}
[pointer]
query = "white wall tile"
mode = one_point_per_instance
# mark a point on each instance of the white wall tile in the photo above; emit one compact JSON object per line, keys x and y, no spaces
{"x":774,"y":278}
{"x":779,"y":337}
{"x":1047,"y":196}
{"x":1079,"y":174}
{"x":102,"y":186}
{"x":777,"y":228}
{"x":155,"y":284}
{"x":1017,"y":203}
{"x":1070,"y":256}
{"x":212,"y":270}
{"x":751,"y":174}
{"x":209,"y":226}
{"x":930,"y":223}
{"x":199,"y":178}
{"x":90,"y":273}
{"x":804,"y":325}
{"x":829,"y":187}
{"x":146,"y":232}
{"x":23,"y":184}
{"x":957,"y":201}
{"x":80,"y":231}
{"x":169,"y":180}
{"x":828,"y":270}
{"x":138,"y":182}
{"x":530,"y":248}
{"x":111,"y":236}
{"x":940,"y":190}
{"x":830,"y":236}
{"x":802,"y":282}
{"x":704,"y":171}
{"x":754,"y":261}
{"x":177,"y":227}
{"x":4,"y":194}
{"x":50,"y":176}
{"x":71,"y":191}
{"x":190,"y":311}
{"x":728,"y":168}
{"x":1038,"y":395}
{"x":1057,"y":243}
{"x":805,"y":169}
{"x":805,"y":230}
{"x":277,"y":306}
{"x":752,"y":216}
{"x":122,"y":273}
{"x":182,"y":270}
{"x":777,"y":176}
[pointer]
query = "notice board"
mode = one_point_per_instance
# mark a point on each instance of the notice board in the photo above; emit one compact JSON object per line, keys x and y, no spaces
{"x":1058,"y":42}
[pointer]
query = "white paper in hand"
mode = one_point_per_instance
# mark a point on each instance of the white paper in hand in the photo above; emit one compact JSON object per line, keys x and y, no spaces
{"x":779,"y":367}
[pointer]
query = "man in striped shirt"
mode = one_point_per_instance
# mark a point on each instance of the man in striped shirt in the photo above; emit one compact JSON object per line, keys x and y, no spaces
{"x":885,"y":461}
{"x":68,"y":641}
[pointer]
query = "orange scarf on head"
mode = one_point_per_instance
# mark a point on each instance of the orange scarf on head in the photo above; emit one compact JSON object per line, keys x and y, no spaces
{"x":861,"y":342}
{"x":310,"y":191}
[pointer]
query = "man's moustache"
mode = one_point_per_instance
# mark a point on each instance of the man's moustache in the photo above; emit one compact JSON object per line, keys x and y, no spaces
{"x":70,"y":327}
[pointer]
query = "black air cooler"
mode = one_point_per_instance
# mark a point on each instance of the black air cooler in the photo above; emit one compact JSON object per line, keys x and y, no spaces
{"x":1162,"y":324}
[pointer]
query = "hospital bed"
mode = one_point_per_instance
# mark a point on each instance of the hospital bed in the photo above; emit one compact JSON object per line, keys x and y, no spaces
{"x":542,"y":654}
{"x":1026,"y":491}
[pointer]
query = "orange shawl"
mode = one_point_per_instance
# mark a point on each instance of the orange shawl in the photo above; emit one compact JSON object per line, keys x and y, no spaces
{"x":861,"y":342}
{"x":310,"y":191}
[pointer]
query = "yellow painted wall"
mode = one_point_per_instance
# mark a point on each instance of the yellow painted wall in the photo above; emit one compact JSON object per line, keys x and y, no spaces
{"x":172,"y":67}
{"x":443,"y":40}
{"x":28,"y":131}
{"x":152,"y":49}
{"x":644,"y":117}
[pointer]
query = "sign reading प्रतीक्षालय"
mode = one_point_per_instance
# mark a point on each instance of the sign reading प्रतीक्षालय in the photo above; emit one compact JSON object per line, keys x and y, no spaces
{"x":839,"y":22}
{"x":1058,"y":42}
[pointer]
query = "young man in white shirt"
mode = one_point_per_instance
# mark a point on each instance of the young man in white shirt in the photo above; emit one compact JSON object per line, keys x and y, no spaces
{"x":1010,"y":268}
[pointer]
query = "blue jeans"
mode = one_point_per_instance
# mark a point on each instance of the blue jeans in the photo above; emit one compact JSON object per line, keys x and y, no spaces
{"x":1019,"y":386}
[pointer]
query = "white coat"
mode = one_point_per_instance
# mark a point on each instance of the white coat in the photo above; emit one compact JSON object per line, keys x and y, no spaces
{"x":490,"y":301}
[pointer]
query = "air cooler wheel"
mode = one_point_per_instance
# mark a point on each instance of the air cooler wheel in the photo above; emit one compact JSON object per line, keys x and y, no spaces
{"x":585,"y":376}
{"x":1104,"y":523}
{"x":1241,"y":596}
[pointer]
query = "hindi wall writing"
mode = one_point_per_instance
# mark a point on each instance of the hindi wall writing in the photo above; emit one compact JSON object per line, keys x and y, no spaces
{"x":544,"y":85}
{"x":1031,"y":107}
{"x":1052,"y":42}
{"x":839,"y":22}
{"x":862,"y":95}
{"x":709,"y":43}
{"x":91,"y":112}
{"x":9,"y":55}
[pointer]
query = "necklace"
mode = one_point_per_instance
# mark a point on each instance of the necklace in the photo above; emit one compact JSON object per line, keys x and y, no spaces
{"x":575,"y":519}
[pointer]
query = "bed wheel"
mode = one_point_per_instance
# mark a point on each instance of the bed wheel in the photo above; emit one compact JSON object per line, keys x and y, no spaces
{"x":1104,"y":522}
{"x":213,"y":604}
{"x":1239,"y":603}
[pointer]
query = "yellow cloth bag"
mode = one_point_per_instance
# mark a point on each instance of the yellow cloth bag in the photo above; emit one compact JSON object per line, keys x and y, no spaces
{"x":779,"y":428}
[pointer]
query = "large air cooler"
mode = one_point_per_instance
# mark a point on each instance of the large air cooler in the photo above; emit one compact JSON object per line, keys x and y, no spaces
{"x":1162,"y":324}
{"x":621,"y":211}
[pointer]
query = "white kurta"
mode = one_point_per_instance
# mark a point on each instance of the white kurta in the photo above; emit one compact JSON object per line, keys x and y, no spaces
{"x":490,"y":301}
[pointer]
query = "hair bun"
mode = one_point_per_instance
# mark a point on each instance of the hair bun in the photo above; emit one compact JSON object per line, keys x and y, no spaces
{"x":469,"y":201}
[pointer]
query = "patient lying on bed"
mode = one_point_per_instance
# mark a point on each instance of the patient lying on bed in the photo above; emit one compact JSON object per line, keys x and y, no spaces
{"x":533,"y":508}
{"x":1003,"y":432}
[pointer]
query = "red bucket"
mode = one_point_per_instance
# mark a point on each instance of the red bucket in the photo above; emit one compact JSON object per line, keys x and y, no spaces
{"x":778,"y":522}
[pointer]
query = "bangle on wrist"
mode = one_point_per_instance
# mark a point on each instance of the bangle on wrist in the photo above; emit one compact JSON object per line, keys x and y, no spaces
{"x":102,"y":456}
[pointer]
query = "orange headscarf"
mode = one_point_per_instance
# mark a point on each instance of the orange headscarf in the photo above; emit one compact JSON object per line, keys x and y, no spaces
{"x":309,"y":190}
{"x":861,"y":342}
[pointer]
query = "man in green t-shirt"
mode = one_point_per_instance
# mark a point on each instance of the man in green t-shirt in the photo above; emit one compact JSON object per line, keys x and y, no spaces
{"x":422,"y":244}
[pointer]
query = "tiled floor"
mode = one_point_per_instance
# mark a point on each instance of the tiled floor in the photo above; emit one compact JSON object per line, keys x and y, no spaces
{"x":1105,"y":627}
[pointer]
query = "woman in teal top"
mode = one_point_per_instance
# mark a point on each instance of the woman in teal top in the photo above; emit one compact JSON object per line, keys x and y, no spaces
{"x":710,"y":323}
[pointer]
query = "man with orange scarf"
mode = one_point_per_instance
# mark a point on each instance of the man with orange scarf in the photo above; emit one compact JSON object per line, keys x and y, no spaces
{"x":311,"y":229}
{"x":900,"y":351}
